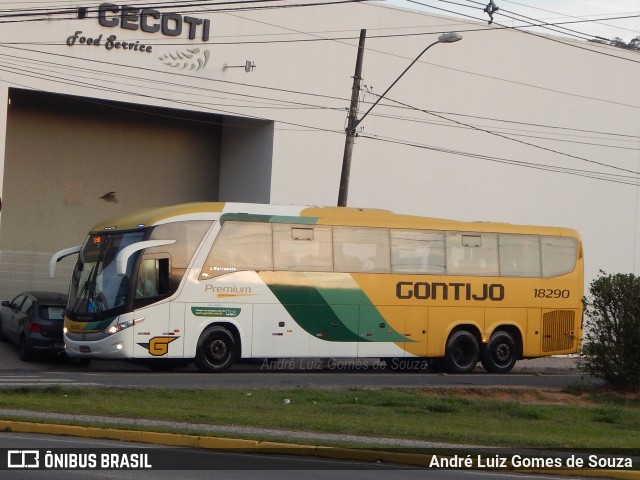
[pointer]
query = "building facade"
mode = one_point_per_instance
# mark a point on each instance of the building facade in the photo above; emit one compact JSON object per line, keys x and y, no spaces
{"x":110,"y":107}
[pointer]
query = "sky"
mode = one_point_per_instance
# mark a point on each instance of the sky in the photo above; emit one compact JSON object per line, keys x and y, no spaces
{"x":552,"y":11}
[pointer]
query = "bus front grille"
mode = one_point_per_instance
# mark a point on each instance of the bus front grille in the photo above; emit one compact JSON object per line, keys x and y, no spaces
{"x":558,"y":331}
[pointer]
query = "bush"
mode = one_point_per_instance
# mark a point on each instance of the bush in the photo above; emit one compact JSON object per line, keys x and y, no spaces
{"x":612,"y":331}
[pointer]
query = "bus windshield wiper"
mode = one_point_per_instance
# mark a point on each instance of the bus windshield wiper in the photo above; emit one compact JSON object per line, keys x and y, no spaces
{"x":81,"y":294}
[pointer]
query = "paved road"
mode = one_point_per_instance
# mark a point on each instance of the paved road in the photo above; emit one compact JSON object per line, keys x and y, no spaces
{"x":334,"y":373}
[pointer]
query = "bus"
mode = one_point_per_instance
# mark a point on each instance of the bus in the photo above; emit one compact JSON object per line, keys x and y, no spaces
{"x":214,"y":283}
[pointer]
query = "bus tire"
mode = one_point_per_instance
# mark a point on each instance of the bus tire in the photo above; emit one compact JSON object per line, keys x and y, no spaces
{"x":500,"y":354}
{"x":462,"y":352}
{"x":216,"y":350}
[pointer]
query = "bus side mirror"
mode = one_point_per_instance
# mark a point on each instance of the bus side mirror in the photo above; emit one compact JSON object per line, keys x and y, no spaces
{"x":59,"y":256}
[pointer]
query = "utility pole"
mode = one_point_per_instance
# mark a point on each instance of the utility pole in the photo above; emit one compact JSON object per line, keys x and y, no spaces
{"x":352,"y":123}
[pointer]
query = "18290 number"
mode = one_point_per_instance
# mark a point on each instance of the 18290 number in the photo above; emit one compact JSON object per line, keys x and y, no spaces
{"x":551,"y":293}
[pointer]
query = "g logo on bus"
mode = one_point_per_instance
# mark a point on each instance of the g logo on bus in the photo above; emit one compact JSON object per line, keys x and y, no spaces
{"x":158,"y":346}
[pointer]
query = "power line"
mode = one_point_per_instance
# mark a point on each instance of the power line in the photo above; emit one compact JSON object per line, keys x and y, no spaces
{"x":519,"y":29}
{"x":65,"y":81}
{"x":584,"y":173}
{"x":273,"y":103}
{"x":193,"y":90}
{"x":368,"y":49}
{"x":598,"y":20}
{"x":469,"y":126}
{"x":542,"y":24}
{"x":514,"y":132}
{"x":619,"y":179}
{"x":506,"y":137}
{"x":548,"y":26}
{"x":189,"y":89}
{"x":555,"y":127}
{"x":303,"y":93}
{"x":318,"y":38}
{"x":47,"y":15}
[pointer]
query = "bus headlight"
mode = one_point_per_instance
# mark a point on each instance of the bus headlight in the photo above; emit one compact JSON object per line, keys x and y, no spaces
{"x":118,"y":327}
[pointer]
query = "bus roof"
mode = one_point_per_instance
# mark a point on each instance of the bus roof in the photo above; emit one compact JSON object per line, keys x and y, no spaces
{"x":386,"y":218}
{"x":155,"y":215}
{"x":311,"y":215}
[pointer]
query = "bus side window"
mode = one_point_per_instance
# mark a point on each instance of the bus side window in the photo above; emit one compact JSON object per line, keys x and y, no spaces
{"x":173,"y":259}
{"x":520,"y":255}
{"x":359,"y":249}
{"x":302,"y":248}
{"x":153,"y":278}
{"x":417,"y":251}
{"x":240,"y":246}
{"x":559,"y":255}
{"x":472,"y":254}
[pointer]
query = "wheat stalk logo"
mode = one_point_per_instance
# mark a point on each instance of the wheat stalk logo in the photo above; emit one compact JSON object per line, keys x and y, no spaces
{"x":188,"y":59}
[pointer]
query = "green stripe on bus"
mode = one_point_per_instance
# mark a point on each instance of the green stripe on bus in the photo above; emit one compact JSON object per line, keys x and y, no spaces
{"x":368,"y":319}
{"x":309,"y":310}
{"x":98,"y":326}
{"x":333,"y":314}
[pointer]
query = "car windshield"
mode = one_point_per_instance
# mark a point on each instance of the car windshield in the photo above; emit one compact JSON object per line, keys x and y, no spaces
{"x":96,"y":288}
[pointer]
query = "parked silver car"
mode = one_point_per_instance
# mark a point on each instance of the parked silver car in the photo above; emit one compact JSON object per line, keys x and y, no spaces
{"x":34,"y":321}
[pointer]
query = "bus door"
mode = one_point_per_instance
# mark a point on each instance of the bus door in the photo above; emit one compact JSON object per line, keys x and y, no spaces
{"x":157,"y":334}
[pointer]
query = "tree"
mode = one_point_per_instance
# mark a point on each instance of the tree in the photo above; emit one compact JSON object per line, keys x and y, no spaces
{"x":634,"y":43}
{"x":617,"y":42}
{"x":612,"y":331}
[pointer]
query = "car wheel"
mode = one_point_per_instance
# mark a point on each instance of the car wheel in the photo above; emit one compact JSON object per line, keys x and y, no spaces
{"x":216,"y":350}
{"x":462,"y":352}
{"x":23,"y":350}
{"x":2,"y":336}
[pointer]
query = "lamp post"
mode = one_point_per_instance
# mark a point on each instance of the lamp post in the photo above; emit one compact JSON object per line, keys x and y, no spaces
{"x":353,"y":120}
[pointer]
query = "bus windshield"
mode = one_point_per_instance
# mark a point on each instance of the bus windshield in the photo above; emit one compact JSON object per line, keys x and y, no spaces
{"x":96,"y":289}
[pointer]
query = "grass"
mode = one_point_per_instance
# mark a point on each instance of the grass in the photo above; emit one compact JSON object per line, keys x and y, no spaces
{"x":494,"y":417}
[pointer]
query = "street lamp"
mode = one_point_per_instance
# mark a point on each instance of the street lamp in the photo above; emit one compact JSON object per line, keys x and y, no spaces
{"x":353,"y":121}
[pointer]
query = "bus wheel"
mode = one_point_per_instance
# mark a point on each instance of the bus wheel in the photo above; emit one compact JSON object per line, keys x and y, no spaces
{"x":462,"y":352}
{"x":216,"y":350}
{"x":500,"y":354}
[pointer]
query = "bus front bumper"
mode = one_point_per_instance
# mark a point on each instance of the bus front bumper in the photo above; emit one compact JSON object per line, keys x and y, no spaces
{"x":113,"y":347}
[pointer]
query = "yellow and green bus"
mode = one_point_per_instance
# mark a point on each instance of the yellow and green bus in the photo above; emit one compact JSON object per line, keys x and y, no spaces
{"x":218,"y":282}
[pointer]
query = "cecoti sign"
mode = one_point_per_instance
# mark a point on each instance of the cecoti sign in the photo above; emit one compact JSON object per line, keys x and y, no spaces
{"x":151,"y":20}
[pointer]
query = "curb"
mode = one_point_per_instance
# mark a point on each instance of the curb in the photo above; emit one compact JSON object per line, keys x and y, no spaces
{"x":256,"y":446}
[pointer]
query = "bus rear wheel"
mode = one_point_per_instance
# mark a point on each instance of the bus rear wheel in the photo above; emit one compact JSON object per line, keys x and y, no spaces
{"x":462,"y":352}
{"x":500,"y":353}
{"x":216,"y":350}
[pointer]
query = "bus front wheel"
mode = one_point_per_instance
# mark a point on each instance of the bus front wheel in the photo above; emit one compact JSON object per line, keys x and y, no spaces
{"x":462,"y":352}
{"x":500,"y":353}
{"x":216,"y":350}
